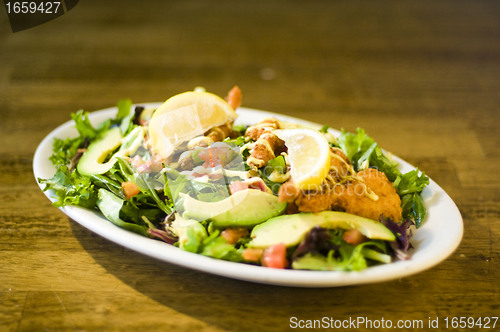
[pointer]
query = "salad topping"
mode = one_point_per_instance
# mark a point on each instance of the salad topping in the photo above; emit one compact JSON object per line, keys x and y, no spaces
{"x":274,"y":193}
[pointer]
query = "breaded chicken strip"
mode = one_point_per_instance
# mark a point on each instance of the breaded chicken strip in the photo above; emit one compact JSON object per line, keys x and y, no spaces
{"x":367,"y":194}
{"x":372,"y":197}
{"x":267,"y":145}
{"x":265,"y":126}
{"x":340,"y":166}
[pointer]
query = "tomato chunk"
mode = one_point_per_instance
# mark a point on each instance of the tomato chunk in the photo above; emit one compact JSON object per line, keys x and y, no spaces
{"x":353,"y":236}
{"x":232,"y":235}
{"x":275,"y":256}
{"x":252,"y":254}
{"x":236,"y":186}
{"x":130,"y":189}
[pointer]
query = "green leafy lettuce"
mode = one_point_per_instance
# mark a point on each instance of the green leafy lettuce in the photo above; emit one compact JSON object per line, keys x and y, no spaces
{"x":138,"y":213}
{"x":71,"y":188}
{"x":343,"y":256}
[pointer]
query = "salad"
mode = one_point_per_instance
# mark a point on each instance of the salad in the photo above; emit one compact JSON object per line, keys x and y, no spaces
{"x":273,"y":193}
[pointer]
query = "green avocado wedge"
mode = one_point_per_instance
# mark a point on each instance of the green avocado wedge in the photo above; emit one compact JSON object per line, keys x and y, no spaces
{"x":92,"y":160}
{"x":245,"y":208}
{"x":291,"y":229}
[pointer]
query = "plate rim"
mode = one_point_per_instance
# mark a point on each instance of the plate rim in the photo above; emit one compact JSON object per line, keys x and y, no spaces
{"x":96,"y":223}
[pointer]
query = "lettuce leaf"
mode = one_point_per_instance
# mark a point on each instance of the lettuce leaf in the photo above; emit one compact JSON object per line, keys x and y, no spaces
{"x":363,"y":152}
{"x":111,"y":207}
{"x":148,"y":183}
{"x":413,"y":208}
{"x":354,"y":145}
{"x":204,"y":191}
{"x":194,"y":236}
{"x":217,"y":247}
{"x":125,"y":115}
{"x":348,"y":258}
{"x":324,"y":249}
{"x":409,"y":187}
{"x":71,"y":188}
{"x":276,"y":164}
{"x":64,"y":150}
{"x":411,"y":182}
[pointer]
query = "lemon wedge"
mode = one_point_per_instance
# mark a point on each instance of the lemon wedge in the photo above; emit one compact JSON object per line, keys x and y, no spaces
{"x":308,"y":156}
{"x":185,"y":116}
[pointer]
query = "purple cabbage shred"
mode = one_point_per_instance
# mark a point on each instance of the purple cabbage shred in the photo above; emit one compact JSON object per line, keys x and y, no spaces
{"x":162,"y":235}
{"x":317,"y":240}
{"x":403,"y":235}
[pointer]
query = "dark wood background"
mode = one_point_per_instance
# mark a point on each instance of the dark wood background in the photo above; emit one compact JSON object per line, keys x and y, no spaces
{"x":422,"y":78}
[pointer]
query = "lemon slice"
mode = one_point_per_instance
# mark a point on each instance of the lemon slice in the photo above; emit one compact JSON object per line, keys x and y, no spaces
{"x":308,"y":156}
{"x":185,"y":116}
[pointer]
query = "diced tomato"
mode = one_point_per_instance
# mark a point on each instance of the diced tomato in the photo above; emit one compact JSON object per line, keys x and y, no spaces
{"x":353,"y":236}
{"x":236,"y":186}
{"x":252,"y":254}
{"x":130,"y":189}
{"x":275,"y":256}
{"x":232,"y":235}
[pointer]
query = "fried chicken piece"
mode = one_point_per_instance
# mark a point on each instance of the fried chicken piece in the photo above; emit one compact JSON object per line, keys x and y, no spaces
{"x":219,"y":133}
{"x":266,"y":148}
{"x":314,"y":201}
{"x":305,"y":201}
{"x":372,"y":197}
{"x":266,"y":125}
{"x":367,"y":194}
{"x":267,"y":145}
{"x":288,"y":192}
{"x":340,"y":166}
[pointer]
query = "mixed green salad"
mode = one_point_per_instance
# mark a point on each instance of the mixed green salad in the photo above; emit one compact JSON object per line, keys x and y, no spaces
{"x":213,"y":199}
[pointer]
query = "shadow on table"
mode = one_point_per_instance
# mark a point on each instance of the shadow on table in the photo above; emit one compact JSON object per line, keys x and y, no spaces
{"x":238,"y":305}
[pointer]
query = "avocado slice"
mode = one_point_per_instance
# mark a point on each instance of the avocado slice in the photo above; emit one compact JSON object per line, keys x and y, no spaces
{"x":92,"y":159}
{"x":245,"y":208}
{"x":291,"y":229}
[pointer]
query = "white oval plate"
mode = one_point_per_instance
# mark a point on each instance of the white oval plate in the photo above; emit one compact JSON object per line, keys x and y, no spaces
{"x":437,"y":238}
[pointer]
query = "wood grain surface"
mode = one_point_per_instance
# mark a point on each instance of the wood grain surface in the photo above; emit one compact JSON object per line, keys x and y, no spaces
{"x":422,"y":78}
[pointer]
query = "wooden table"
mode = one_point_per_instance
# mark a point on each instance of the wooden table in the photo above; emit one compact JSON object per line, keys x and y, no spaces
{"x":422,"y":78}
